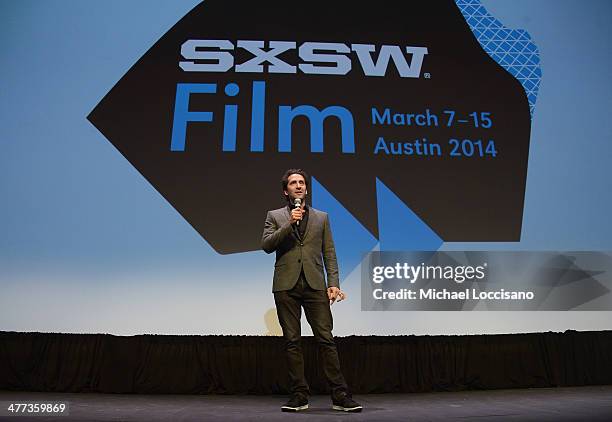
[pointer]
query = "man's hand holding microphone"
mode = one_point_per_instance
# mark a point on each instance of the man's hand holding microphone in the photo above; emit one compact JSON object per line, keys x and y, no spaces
{"x":297,"y":213}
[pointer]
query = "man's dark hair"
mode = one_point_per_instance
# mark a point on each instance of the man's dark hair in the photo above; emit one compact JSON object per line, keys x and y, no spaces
{"x":285,"y":178}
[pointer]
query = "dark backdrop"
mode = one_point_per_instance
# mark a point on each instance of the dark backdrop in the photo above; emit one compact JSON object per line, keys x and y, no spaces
{"x":256,"y":365}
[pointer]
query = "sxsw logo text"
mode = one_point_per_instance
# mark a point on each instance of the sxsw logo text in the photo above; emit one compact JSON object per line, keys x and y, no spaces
{"x":216,"y":56}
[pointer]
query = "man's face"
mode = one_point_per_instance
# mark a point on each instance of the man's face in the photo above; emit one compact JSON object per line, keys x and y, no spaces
{"x":296,"y":187}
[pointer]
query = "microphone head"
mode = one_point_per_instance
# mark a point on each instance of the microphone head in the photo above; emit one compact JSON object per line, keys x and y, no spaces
{"x":297,"y":202}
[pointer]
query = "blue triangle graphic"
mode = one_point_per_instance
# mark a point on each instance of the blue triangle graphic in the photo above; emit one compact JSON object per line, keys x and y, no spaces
{"x":352,"y":240}
{"x":399,"y":228}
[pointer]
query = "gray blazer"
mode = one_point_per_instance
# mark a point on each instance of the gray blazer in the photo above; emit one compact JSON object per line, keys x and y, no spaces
{"x":317,"y":248}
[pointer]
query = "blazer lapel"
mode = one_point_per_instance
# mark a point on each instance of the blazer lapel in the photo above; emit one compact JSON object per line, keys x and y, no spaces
{"x":311,"y":221}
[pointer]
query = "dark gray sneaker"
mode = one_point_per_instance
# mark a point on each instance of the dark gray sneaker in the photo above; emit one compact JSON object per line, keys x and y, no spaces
{"x":297,"y":402}
{"x":345,"y":403}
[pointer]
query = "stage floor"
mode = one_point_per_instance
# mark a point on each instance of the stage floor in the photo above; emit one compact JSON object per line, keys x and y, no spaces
{"x":541,"y":404}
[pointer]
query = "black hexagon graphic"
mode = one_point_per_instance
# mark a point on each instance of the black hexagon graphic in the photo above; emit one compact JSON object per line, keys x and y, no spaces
{"x":224,"y":194}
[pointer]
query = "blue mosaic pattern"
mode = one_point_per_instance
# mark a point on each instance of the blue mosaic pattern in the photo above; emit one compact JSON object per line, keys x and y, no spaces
{"x":511,"y":48}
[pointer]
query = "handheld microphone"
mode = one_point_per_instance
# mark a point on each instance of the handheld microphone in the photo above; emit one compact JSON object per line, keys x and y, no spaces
{"x":297,"y":204}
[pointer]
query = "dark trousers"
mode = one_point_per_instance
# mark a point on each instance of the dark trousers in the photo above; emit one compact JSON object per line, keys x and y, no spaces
{"x":316,"y":307}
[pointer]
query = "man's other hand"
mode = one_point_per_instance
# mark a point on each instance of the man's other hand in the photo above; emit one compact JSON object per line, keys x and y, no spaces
{"x":335,"y":295}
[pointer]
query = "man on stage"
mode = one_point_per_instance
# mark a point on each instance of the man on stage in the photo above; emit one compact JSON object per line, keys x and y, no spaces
{"x":302,"y":239}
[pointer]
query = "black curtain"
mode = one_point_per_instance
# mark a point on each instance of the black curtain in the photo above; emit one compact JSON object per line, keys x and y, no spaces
{"x":256,"y":365}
